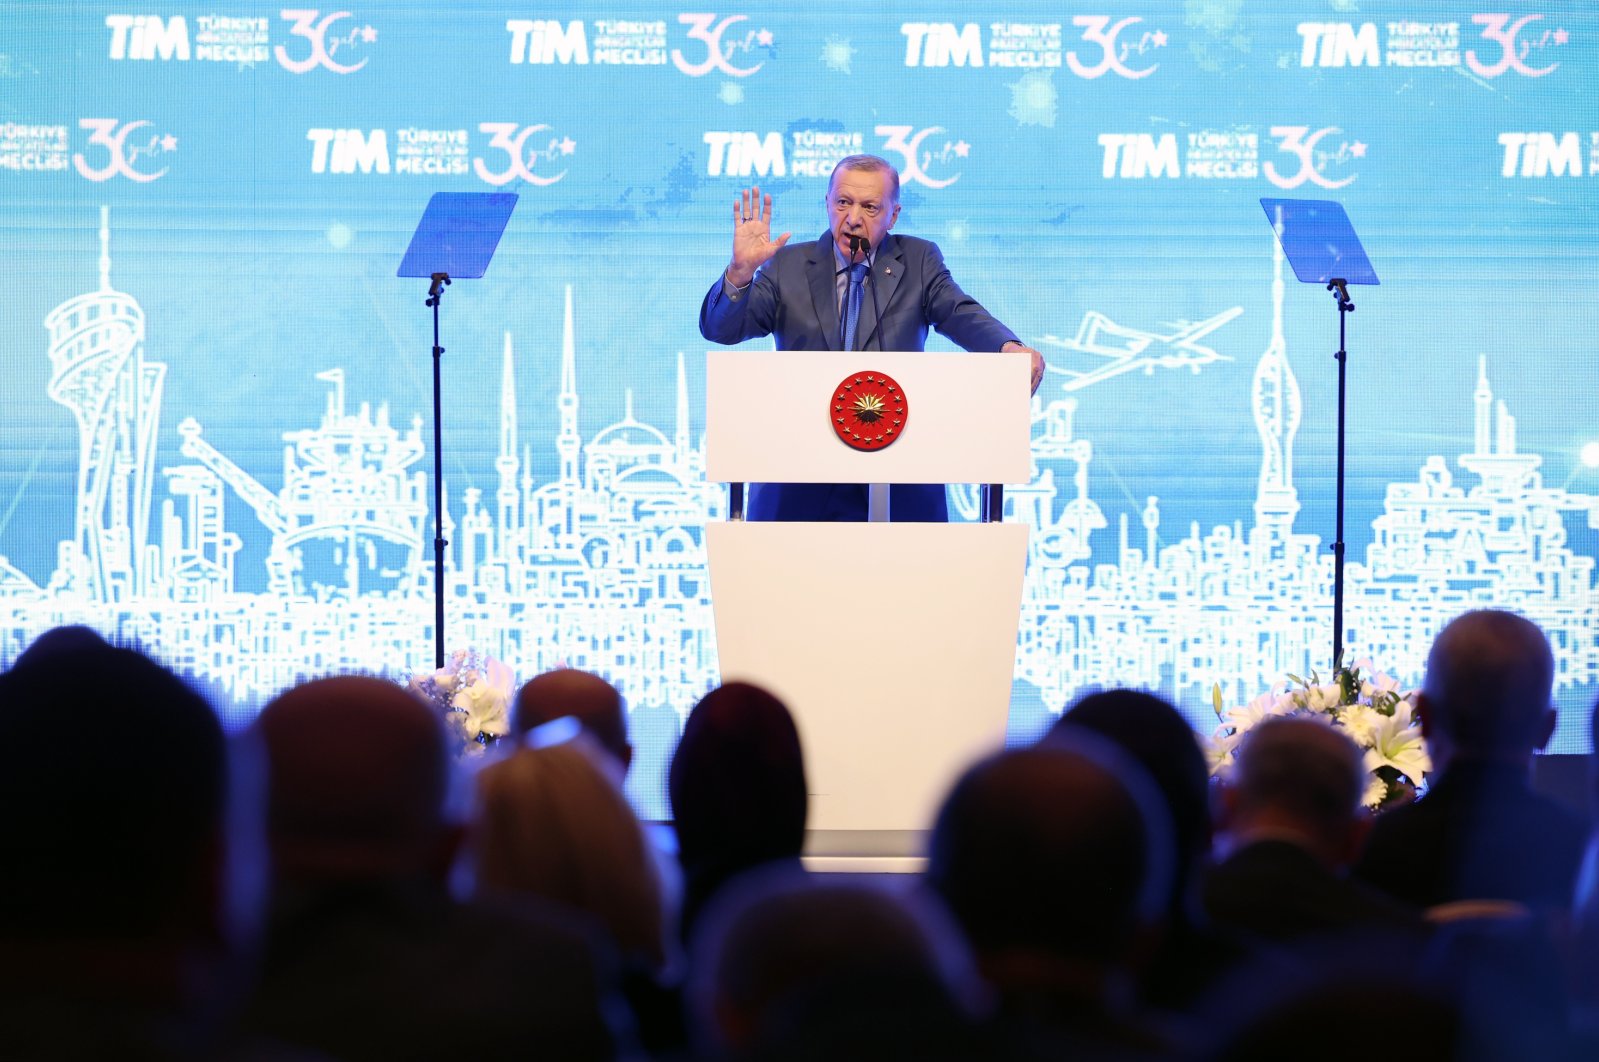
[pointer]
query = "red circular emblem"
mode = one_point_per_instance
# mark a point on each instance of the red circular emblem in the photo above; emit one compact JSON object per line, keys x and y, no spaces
{"x":868,"y":410}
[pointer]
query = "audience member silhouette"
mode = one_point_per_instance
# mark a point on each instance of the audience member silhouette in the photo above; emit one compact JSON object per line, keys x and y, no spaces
{"x":125,"y":907}
{"x":1481,"y":832}
{"x":1291,"y":825}
{"x":1056,"y":862}
{"x":1059,"y":877}
{"x":552,"y":822}
{"x":569,"y":693}
{"x":369,"y":957}
{"x":737,"y":788}
{"x":791,"y":966}
{"x":1191,"y":952}
{"x":1585,"y":906}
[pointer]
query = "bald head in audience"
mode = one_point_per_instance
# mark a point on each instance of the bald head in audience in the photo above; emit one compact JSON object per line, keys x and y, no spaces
{"x":358,"y":769}
{"x":567,"y":692}
{"x":1300,"y":780}
{"x":1053,"y":857}
{"x":794,"y":965}
{"x":1488,"y":693}
{"x":1481,"y":831}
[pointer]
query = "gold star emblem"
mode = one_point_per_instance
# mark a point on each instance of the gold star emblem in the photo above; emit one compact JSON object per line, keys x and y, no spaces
{"x":868,"y":408}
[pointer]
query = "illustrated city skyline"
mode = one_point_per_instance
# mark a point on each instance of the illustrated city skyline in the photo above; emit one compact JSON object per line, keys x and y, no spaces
{"x":603,"y":566}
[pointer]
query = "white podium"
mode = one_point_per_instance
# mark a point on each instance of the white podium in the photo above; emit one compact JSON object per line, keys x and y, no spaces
{"x":893,"y":644}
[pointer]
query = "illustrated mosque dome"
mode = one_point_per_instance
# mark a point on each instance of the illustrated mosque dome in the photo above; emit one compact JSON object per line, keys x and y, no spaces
{"x":632,"y":456}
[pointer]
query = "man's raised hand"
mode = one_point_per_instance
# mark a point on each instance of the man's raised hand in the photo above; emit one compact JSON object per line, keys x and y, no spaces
{"x":753,"y":245}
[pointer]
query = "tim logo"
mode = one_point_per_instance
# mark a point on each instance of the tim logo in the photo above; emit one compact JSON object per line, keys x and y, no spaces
{"x":1115,"y":48}
{"x":545,"y":41}
{"x":146,"y":37}
{"x":942,"y":44}
{"x":121,"y":149}
{"x":1313,"y":160}
{"x":1339,"y":44}
{"x":349,"y":150}
{"x":1542,"y":154}
{"x":722,"y":46}
{"x":745,"y":155}
{"x":530,"y":154}
{"x":926,"y":154}
{"x":1514,"y":47}
{"x":330,"y":42}
{"x":1139,"y":155}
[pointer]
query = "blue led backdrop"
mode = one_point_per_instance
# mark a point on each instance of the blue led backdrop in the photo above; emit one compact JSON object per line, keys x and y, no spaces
{"x":217,"y":392}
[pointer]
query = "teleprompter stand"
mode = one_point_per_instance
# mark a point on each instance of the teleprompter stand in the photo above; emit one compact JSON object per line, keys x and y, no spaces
{"x":1321,"y":245}
{"x":454,"y":240}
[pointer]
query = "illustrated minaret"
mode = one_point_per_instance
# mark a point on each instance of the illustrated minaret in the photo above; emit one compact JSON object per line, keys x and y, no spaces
{"x":98,"y":371}
{"x":506,"y":463}
{"x":1274,"y":397}
{"x":567,"y":441}
{"x":680,"y":436}
{"x":1483,"y":400}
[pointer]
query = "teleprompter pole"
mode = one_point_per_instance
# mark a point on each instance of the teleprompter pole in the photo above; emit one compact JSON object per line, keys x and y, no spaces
{"x":435,"y":296}
{"x":1340,"y":290}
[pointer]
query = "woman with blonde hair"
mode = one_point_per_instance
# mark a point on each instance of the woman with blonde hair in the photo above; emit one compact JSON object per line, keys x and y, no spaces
{"x":553,"y":823}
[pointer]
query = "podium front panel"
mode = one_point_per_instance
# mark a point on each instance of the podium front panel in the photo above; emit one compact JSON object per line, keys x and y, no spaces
{"x":767,"y":418}
{"x":893,"y":645}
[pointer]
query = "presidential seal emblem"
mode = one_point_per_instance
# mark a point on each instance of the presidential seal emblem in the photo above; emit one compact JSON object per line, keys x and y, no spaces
{"x":868,"y":410}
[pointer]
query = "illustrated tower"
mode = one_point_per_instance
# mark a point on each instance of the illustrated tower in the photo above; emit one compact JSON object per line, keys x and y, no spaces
{"x":1275,"y":401}
{"x":1494,"y":456}
{"x":98,"y":370}
{"x":568,"y":442}
{"x":506,"y":464}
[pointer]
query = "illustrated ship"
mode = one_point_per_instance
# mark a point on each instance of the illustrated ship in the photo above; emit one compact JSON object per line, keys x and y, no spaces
{"x":349,"y":503}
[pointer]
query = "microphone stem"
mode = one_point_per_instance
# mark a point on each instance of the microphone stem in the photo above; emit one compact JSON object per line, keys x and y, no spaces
{"x":859,"y":245}
{"x":871,"y":279}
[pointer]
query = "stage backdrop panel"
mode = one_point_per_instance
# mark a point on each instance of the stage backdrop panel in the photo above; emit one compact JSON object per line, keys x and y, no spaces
{"x":216,"y":390}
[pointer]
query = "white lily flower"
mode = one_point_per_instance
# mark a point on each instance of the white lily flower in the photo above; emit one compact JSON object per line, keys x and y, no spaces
{"x":1397,"y":743}
{"x":1218,"y":749}
{"x":1241,"y":719}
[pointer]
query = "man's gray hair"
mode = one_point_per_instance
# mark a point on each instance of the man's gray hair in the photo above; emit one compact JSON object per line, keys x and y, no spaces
{"x":1303,"y":767}
{"x":868,"y":162}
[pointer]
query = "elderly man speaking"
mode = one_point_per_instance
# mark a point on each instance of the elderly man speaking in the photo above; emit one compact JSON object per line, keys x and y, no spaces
{"x":812,"y":296}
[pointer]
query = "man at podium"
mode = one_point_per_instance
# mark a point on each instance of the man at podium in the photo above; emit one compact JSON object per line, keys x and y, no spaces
{"x":825,"y":294}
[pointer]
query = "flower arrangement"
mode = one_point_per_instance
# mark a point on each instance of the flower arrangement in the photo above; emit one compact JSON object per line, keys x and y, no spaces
{"x":473,"y":692}
{"x":1374,"y":712}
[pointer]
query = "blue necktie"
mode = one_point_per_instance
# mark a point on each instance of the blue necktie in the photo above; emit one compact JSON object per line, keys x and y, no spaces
{"x":852,"y":303}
